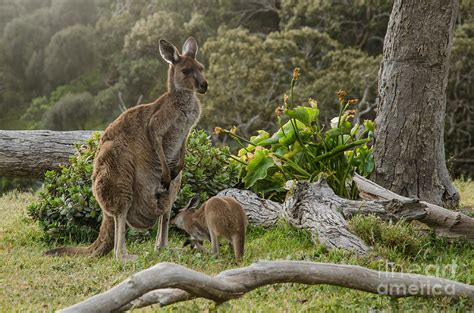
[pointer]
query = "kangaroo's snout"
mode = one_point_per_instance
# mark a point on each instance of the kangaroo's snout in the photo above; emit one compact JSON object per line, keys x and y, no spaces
{"x":202,"y":89}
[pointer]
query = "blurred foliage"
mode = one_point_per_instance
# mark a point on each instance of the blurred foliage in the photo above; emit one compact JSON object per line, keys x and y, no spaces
{"x":21,"y":184}
{"x":247,"y":47}
{"x":69,"y":113}
{"x":72,"y":12}
{"x":238,"y":84}
{"x":459,"y":130}
{"x":70,"y":53}
{"x":67,"y":209}
{"x":359,"y":23}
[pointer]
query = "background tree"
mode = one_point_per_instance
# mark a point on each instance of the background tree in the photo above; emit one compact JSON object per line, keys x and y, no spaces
{"x":409,"y":148}
{"x":459,"y":136}
{"x":72,"y":12}
{"x":9,"y":9}
{"x":70,"y":112}
{"x":70,"y":53}
{"x":337,"y":44}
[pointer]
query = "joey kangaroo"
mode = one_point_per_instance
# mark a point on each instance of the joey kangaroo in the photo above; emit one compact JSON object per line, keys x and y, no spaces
{"x":137,"y":169}
{"x":217,"y":217}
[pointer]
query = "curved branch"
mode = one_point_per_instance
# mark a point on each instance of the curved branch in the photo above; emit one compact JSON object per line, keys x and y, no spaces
{"x":234,"y":283}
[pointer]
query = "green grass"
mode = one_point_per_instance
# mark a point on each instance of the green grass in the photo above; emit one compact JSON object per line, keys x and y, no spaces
{"x":32,"y":282}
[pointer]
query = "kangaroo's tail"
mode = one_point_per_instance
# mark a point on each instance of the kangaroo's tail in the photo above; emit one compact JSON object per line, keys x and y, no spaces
{"x":100,"y":247}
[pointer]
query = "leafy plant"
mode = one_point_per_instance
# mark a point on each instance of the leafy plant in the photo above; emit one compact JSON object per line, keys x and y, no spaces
{"x":207,"y":169}
{"x":302,"y":149}
{"x":68,"y":211}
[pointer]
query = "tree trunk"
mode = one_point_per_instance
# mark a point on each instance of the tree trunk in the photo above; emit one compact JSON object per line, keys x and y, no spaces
{"x":409,"y":147}
{"x":31,"y":153}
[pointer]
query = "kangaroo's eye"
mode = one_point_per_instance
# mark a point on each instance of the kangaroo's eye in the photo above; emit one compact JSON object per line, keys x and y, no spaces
{"x":186,"y":71}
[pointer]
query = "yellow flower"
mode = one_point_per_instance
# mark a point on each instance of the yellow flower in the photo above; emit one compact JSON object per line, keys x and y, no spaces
{"x":218,"y":130}
{"x":250,"y":156}
{"x":279,"y":110}
{"x":296,"y":73}
{"x":353,"y":101}
{"x":341,"y":94}
{"x":233,"y":130}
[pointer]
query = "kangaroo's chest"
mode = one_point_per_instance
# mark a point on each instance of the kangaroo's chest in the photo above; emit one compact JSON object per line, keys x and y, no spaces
{"x":179,"y":130}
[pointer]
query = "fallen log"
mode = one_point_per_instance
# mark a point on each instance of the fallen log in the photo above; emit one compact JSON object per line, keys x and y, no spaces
{"x":147,"y":287}
{"x":312,"y":207}
{"x":31,"y":153}
{"x":443,"y":222}
{"x":316,"y":208}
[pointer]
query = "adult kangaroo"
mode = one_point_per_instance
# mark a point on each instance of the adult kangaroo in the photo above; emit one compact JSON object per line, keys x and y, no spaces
{"x":137,"y":169}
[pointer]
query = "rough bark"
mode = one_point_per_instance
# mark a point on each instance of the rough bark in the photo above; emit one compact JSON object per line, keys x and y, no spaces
{"x":145,"y":288}
{"x":311,"y":207}
{"x":31,"y":153}
{"x":409,"y":147}
{"x":316,"y":208}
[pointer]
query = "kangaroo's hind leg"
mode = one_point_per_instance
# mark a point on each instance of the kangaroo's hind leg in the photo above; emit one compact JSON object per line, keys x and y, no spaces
{"x":214,"y":242}
{"x":121,"y":252}
{"x":238,"y":242}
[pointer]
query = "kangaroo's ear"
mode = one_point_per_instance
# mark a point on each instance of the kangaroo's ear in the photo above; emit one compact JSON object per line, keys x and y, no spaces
{"x":190,"y":47}
{"x":193,"y":203}
{"x":169,"y":52}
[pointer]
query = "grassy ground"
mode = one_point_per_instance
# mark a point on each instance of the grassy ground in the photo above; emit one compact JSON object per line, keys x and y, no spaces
{"x":32,"y":282}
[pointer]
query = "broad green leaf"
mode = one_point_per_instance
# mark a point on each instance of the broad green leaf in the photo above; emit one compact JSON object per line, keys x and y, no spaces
{"x":271,"y":183}
{"x":303,"y":114}
{"x":369,"y":164}
{"x":282,"y":132}
{"x":257,"y":168}
{"x":262,"y":135}
{"x":289,"y":139}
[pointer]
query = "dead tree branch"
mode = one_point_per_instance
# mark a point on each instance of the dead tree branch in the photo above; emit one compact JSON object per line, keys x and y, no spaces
{"x":444,"y":222}
{"x":146,"y":287}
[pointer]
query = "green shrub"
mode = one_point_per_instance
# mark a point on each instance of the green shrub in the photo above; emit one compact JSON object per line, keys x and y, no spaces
{"x":304,"y":150}
{"x":68,"y":211}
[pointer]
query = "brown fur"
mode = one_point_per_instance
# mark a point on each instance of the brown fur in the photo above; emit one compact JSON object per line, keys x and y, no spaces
{"x":217,"y":217}
{"x":137,"y":169}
